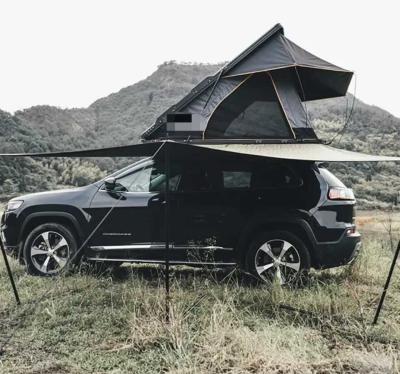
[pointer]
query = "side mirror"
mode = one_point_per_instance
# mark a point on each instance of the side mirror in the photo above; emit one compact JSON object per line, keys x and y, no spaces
{"x":109,"y":183}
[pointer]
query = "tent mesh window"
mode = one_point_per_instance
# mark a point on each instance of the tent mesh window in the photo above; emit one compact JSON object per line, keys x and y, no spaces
{"x":251,"y":111}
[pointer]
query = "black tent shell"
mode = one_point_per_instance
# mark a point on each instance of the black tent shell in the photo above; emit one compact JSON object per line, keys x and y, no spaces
{"x":258,"y":95}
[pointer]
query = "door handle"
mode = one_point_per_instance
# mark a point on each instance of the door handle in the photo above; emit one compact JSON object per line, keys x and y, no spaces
{"x":199,"y":218}
{"x":157,"y":199}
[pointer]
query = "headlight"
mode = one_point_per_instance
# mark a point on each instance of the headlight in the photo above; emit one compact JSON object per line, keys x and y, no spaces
{"x":14,"y":204}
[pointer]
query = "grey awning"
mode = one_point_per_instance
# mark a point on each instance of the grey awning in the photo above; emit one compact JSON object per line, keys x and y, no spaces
{"x":304,"y":152}
{"x":291,"y":151}
{"x":134,"y":150}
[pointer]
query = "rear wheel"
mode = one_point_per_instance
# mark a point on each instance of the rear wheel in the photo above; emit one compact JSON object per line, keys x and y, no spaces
{"x":48,"y":249}
{"x":278,"y":256}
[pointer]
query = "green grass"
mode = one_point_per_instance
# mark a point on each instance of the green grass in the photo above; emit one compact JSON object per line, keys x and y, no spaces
{"x":219,"y":322}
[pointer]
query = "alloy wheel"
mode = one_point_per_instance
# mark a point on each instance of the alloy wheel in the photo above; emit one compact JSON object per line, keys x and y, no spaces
{"x":49,"y":252}
{"x":277,"y":259}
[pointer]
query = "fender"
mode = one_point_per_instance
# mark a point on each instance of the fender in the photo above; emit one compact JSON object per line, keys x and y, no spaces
{"x":66,"y":215}
{"x":280,"y":218}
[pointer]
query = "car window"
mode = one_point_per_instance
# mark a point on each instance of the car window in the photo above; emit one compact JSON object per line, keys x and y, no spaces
{"x":196,"y":179}
{"x":158,"y":178}
{"x":137,"y":181}
{"x":275,"y":176}
{"x":148,"y":179}
{"x":236,"y":179}
{"x":126,"y":169}
{"x":259,"y":176}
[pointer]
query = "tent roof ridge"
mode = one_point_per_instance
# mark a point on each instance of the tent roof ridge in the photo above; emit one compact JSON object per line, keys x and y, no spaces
{"x":278,"y":28}
{"x":285,"y":46}
{"x":338,"y":68}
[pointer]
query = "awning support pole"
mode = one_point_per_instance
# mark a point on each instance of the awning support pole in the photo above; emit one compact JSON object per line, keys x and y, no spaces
{"x":10,"y":273}
{"x":167,"y":232}
{"x":385,"y":288}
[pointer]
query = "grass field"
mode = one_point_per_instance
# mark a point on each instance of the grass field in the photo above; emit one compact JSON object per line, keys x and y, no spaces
{"x":219,"y":323}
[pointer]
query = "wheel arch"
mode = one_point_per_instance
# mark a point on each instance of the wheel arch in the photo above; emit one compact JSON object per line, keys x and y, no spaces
{"x":35,"y":219}
{"x":298,"y":227}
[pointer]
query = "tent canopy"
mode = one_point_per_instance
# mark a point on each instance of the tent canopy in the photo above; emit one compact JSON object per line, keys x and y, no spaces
{"x":302,"y":152}
{"x":258,"y":95}
{"x":299,"y":151}
{"x":135,"y":150}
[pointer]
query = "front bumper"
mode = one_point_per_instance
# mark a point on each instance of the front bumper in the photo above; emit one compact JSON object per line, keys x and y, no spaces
{"x":11,"y":250}
{"x":341,"y":252}
{"x":8,"y":233}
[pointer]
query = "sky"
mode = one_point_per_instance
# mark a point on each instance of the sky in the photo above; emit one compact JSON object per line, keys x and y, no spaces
{"x":69,"y":53}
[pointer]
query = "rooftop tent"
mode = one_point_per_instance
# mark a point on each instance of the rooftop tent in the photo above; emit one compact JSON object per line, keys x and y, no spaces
{"x":258,"y":95}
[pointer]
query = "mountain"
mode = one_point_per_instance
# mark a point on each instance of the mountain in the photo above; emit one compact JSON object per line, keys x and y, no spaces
{"x":119,"y":119}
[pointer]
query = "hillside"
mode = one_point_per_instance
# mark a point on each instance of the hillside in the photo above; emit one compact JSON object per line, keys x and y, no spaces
{"x":119,"y":119}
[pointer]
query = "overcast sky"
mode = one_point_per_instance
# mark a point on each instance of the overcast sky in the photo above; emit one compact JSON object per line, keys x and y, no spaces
{"x":69,"y":53}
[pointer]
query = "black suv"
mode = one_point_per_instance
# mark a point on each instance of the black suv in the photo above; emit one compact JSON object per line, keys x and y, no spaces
{"x":275,"y":219}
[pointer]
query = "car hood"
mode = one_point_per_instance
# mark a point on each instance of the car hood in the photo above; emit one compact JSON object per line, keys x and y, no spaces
{"x":62,"y":195}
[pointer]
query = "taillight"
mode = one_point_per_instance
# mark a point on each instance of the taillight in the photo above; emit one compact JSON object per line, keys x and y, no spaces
{"x":352,"y":230}
{"x":340,"y":193}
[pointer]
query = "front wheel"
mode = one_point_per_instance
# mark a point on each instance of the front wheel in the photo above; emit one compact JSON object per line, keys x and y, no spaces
{"x":48,"y":249}
{"x":278,"y":255}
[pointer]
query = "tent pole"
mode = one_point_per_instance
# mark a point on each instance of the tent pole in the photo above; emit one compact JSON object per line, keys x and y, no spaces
{"x":167,"y":232}
{"x":385,"y":288}
{"x":10,"y":273}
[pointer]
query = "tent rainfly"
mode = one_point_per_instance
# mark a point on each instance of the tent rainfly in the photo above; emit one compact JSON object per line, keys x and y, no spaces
{"x":258,"y":95}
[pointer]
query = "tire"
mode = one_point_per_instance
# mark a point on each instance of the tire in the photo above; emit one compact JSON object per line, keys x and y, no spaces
{"x":42,"y":261}
{"x":278,"y":255}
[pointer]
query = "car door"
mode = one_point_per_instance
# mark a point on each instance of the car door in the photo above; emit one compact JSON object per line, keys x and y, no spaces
{"x":236,"y":199}
{"x":129,"y":218}
{"x":197,"y":216}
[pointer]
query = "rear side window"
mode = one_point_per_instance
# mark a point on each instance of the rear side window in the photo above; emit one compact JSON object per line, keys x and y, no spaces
{"x":196,"y":179}
{"x":260,"y":176}
{"x":275,"y":176}
{"x":236,"y":179}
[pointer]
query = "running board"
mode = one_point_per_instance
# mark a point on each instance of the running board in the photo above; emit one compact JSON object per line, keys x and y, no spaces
{"x":156,"y":246}
{"x":172,"y":262}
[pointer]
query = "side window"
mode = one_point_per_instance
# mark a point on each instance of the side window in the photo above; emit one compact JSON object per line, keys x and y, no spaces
{"x":196,"y":179}
{"x":137,"y":181}
{"x":158,"y":178}
{"x":150,"y":179}
{"x":236,"y":179}
{"x":275,"y":176}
